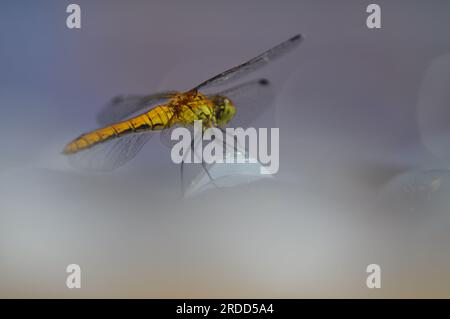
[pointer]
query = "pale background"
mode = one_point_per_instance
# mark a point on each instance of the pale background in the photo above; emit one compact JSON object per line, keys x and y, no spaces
{"x":355,"y":108}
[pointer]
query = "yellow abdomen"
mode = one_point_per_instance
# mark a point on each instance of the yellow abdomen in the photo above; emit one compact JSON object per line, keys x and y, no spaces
{"x":155,"y":119}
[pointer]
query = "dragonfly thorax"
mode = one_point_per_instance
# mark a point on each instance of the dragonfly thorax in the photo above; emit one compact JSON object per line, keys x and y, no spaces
{"x":212,"y":111}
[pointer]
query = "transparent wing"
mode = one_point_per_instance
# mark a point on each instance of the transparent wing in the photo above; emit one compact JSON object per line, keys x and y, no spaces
{"x":112,"y":153}
{"x":122,"y":106}
{"x":165,"y":135}
{"x":251,"y":99}
{"x":253,"y":64}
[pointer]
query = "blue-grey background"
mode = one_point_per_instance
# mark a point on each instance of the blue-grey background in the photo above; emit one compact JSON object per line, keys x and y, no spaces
{"x":364,"y":149}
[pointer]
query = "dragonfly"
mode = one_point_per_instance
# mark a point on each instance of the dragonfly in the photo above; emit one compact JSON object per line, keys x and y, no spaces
{"x":129,"y":121}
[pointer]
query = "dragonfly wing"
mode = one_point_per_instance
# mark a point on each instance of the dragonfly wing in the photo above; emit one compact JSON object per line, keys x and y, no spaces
{"x":251,"y":100}
{"x":122,"y":106}
{"x":253,"y":64}
{"x":166,"y":134}
{"x":112,"y":153}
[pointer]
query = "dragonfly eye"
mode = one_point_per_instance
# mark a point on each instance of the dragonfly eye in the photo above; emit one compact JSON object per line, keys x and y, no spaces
{"x":224,"y":109}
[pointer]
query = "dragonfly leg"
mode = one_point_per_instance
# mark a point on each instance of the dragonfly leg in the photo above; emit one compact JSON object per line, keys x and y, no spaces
{"x":206,"y":169}
{"x":209,"y":174}
{"x":181,"y":178}
{"x":236,"y":145}
{"x":203,"y":165}
{"x":182,"y":166}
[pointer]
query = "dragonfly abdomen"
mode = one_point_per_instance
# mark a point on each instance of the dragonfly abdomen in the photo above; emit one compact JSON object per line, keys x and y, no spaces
{"x":156,"y":119}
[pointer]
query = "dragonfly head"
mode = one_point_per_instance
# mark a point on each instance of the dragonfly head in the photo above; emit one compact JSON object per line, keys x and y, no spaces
{"x":224,"y":109}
